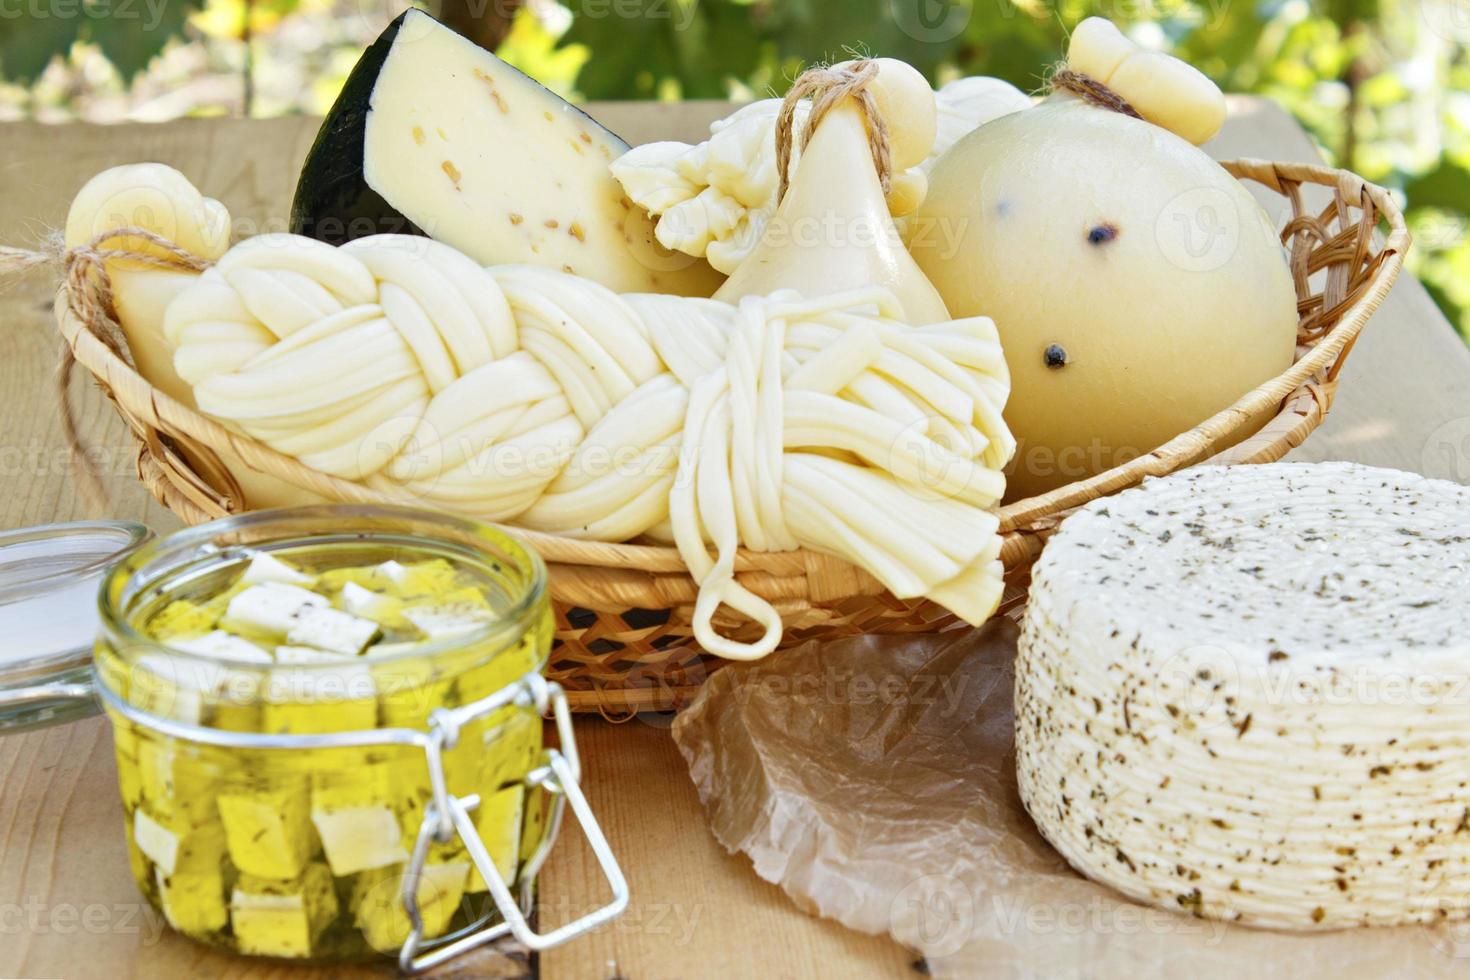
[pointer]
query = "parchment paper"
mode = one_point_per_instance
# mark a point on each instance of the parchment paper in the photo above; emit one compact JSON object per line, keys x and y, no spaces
{"x":873,"y":780}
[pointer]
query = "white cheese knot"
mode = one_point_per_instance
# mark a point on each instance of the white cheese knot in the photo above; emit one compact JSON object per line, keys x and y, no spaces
{"x":523,"y":394}
{"x":714,"y":199}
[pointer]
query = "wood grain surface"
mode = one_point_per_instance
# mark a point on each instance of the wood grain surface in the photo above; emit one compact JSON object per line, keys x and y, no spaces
{"x":67,"y":903}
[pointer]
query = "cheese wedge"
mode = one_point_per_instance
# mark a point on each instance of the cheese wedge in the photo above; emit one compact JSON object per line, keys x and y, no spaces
{"x":434,"y":135}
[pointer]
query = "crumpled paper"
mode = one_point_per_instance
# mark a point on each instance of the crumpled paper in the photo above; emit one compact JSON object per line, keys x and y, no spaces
{"x":873,"y":780}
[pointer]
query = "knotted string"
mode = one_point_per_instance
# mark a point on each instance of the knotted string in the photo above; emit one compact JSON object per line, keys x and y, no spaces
{"x":828,"y":87}
{"x":89,"y":297}
{"x":88,"y":285}
{"x":1090,"y":90}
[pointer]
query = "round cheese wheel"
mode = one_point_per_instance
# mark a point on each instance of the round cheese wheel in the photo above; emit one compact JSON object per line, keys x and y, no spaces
{"x":1138,"y":287}
{"x":1244,"y":693}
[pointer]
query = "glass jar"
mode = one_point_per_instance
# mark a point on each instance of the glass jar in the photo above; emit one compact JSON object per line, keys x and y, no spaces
{"x":48,"y":605}
{"x":400,"y":801}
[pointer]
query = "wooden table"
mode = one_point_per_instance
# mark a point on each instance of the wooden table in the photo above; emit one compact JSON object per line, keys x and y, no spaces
{"x":67,"y":903}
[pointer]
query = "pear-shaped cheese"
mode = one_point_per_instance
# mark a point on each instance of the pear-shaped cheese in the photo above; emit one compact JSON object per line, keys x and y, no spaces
{"x":159,"y":199}
{"x":714,"y":198}
{"x":832,"y":231}
{"x":153,"y":197}
{"x":1166,"y":91}
{"x":907,"y":106}
{"x":1138,"y":288}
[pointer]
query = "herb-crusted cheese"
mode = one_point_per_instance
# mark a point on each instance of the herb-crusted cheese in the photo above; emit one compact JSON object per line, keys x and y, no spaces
{"x":1244,"y":693}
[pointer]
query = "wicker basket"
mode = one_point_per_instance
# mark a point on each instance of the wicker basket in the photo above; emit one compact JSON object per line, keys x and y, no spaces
{"x":623,"y":610}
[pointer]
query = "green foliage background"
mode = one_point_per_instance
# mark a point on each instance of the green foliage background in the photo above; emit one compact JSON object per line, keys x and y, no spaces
{"x":1382,"y":85}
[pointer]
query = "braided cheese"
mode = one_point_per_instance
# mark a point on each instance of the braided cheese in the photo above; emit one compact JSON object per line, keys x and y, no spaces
{"x":527,"y":395}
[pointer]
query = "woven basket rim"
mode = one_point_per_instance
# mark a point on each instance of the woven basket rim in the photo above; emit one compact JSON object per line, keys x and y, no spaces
{"x":1303,"y":392}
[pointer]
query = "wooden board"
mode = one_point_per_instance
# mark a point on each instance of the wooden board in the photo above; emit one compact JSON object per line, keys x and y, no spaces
{"x":67,"y":904}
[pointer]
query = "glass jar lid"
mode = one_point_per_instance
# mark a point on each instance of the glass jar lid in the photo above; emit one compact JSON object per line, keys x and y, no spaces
{"x":49,"y":577}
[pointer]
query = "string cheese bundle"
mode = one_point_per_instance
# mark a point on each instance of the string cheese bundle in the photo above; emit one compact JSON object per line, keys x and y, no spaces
{"x":1244,"y":693}
{"x":714,"y":199}
{"x":527,"y":395}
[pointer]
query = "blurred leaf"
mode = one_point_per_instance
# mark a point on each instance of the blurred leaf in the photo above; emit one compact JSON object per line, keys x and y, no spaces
{"x":532,"y":48}
{"x":1383,"y":90}
{"x":131,"y":34}
{"x":710,"y":47}
{"x":28,"y":45}
{"x":640,"y":43}
{"x":1446,"y":186}
{"x":921,"y":32}
{"x":1014,"y":44}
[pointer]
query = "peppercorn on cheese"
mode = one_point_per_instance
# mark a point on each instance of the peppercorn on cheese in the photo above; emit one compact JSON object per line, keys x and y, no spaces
{"x":1244,"y":693}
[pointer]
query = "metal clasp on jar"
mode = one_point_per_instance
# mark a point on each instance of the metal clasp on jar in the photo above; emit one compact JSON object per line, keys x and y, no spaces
{"x":447,"y":815}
